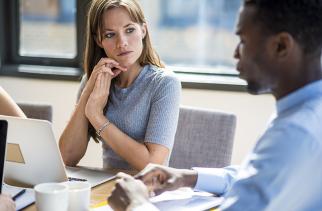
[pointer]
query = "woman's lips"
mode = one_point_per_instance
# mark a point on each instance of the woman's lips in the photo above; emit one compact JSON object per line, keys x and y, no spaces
{"x":124,"y":53}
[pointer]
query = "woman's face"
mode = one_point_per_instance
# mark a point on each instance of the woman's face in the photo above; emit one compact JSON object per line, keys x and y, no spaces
{"x":122,"y":39}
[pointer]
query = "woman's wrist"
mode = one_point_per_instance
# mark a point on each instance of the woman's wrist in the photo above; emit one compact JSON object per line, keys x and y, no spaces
{"x":97,"y":121}
{"x":102,"y":128}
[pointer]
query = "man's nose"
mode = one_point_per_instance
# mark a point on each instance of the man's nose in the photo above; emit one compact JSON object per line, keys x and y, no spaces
{"x":236,"y":52}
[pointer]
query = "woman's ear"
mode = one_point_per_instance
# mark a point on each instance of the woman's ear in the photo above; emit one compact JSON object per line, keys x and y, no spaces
{"x":98,"y":42}
{"x":144,"y":30}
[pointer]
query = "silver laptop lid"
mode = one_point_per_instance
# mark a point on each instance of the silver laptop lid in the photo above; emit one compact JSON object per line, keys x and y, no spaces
{"x":33,"y":155}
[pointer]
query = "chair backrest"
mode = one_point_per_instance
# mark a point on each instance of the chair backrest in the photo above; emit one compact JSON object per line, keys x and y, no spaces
{"x":37,"y":111}
{"x":204,"y":138}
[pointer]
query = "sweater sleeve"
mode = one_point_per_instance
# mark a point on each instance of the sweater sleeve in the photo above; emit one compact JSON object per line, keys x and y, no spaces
{"x":164,"y":112}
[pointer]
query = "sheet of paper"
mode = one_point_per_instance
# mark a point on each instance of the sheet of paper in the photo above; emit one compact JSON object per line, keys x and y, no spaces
{"x":24,"y":200}
{"x":183,"y":199}
{"x":102,"y":208}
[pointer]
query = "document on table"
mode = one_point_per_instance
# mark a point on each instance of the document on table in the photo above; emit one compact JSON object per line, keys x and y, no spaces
{"x":183,"y":199}
{"x":24,"y":200}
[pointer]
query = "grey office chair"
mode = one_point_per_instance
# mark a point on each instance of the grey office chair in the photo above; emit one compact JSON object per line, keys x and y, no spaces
{"x":204,"y":138}
{"x":37,"y":111}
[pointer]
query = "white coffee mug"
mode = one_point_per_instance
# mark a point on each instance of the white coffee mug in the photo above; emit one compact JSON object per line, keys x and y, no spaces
{"x":51,"y":197}
{"x":79,"y":195}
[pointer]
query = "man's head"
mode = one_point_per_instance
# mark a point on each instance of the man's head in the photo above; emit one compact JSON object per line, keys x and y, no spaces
{"x":278,"y":38}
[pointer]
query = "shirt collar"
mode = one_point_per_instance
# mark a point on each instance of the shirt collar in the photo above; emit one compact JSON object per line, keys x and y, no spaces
{"x":305,"y":93}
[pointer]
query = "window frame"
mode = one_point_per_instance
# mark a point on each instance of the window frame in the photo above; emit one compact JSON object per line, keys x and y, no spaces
{"x":12,"y":64}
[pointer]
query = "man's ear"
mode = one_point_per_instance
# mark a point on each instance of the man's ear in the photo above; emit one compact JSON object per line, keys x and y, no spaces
{"x":283,"y":44}
{"x":144,"y":30}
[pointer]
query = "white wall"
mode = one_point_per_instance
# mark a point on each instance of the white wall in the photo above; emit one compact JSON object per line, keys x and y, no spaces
{"x":252,"y":112}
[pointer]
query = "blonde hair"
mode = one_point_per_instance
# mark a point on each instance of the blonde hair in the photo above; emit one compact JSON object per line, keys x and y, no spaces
{"x":93,"y":53}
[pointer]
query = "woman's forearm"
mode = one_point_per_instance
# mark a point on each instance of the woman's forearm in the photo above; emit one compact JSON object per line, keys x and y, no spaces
{"x":136,"y":154}
{"x":74,"y":139}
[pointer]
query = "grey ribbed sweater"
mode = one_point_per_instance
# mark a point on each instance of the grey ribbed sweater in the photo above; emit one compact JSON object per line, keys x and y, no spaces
{"x":147,"y":111}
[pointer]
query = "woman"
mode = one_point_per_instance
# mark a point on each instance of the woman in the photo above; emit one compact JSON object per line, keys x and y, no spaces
{"x":129,"y":101}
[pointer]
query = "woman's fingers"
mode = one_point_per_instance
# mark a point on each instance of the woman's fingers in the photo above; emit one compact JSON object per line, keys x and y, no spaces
{"x":111,"y":63}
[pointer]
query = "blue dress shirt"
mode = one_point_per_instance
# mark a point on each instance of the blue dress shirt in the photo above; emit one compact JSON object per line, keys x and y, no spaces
{"x":269,"y":176}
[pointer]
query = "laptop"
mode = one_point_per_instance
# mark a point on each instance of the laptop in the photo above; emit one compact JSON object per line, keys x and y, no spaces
{"x":3,"y":139}
{"x":33,"y":156}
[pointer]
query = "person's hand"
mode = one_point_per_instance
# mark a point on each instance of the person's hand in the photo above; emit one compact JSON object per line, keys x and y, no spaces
{"x":105,"y":70}
{"x":104,"y":65}
{"x":159,"y":178}
{"x":6,"y":203}
{"x":98,"y":98}
{"x":128,"y":193}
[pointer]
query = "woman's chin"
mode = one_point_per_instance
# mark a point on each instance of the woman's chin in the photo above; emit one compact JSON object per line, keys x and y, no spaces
{"x":126,"y":64}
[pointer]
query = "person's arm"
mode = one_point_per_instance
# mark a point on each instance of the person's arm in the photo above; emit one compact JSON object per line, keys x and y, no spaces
{"x":155,"y":148}
{"x":6,"y":203}
{"x":7,"y":105}
{"x":271,"y":166}
{"x":159,"y":179}
{"x":74,"y":139}
{"x":130,"y":194}
{"x":216,"y":180}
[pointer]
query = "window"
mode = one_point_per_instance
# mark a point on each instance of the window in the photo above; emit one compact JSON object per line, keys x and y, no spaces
{"x":45,"y":38}
{"x":42,"y":39}
{"x":47,"y":28}
{"x":198,"y":34}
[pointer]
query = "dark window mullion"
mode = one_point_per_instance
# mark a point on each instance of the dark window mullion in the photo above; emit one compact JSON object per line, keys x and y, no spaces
{"x":14,"y":36}
{"x":81,"y":11}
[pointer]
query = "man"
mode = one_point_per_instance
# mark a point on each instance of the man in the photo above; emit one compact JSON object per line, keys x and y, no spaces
{"x":279,"y":52}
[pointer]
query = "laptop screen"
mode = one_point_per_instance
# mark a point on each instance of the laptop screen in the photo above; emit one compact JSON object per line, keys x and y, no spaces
{"x":3,"y":140}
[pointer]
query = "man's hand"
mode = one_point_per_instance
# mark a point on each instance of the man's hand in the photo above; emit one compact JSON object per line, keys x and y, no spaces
{"x":6,"y":203}
{"x":159,"y":178}
{"x":128,"y":193}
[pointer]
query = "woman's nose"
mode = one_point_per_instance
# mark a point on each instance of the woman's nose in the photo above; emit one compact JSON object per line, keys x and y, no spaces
{"x":121,"y":41}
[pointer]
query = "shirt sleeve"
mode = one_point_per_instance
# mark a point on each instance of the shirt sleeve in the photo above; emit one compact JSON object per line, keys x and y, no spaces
{"x":164,"y":112}
{"x":215,"y":180}
{"x":268,"y":169}
{"x":145,"y":207}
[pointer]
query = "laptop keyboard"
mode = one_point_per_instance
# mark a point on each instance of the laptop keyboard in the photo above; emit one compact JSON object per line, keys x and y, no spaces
{"x":76,"y":179}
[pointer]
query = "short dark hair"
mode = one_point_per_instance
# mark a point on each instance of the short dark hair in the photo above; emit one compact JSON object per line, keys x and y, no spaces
{"x":300,"y":18}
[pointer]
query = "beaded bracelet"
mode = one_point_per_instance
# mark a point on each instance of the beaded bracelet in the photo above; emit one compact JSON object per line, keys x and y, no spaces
{"x":98,"y":133}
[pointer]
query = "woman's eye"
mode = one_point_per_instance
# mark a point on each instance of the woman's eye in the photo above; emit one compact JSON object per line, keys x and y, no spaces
{"x":108,"y":35}
{"x":130,"y":30}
